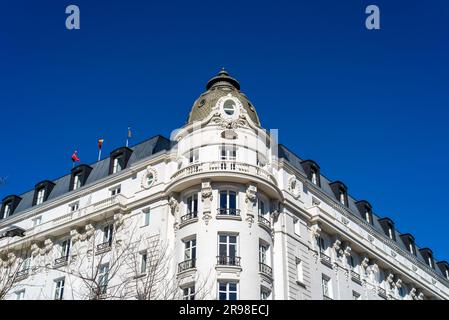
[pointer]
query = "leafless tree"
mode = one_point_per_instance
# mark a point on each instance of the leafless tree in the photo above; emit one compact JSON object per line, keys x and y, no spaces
{"x":14,"y":267}
{"x":153,"y":272}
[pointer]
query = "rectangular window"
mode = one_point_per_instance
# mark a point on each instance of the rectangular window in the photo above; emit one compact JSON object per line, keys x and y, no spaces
{"x":143,"y":262}
{"x":115,"y":191}
{"x":190,"y":249}
{"x":7,"y":210}
{"x":228,"y":153}
{"x":314,"y":178}
{"x":74,"y":207}
{"x":116,"y":165}
{"x":192,"y":204}
{"x":146,"y":217}
{"x":227,"y":245}
{"x":326,"y":286}
{"x":227,"y":290}
{"x":77,"y":182}
{"x":65,"y":248}
{"x":352,"y":262}
{"x":59,"y":288}
{"x":26,"y":261}
{"x":103,"y":278}
{"x":296,"y":226}
{"x":37,"y":221}
{"x":263,"y":251}
{"x":261,"y":207}
{"x":447,"y":274}
{"x":368,"y":216}
{"x":228,"y":202}
{"x":40,"y":196}
{"x":299,"y":271}
{"x":108,"y":232}
{"x":342,"y":198}
{"x":194,"y":156}
{"x":322,"y":244}
{"x":188,"y":293}
{"x":355,"y":295}
{"x":20,"y":295}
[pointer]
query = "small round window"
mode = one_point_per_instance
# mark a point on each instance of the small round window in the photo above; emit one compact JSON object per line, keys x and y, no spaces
{"x":229,"y":107}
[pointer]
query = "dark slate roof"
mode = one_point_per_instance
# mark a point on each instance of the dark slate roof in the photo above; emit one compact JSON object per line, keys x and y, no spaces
{"x":295,"y":161}
{"x":99,"y":171}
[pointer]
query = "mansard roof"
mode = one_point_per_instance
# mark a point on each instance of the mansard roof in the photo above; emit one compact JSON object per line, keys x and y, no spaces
{"x":295,"y":161}
{"x":99,"y":171}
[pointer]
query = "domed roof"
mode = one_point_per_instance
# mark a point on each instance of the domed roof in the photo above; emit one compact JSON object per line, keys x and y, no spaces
{"x":219,"y":86}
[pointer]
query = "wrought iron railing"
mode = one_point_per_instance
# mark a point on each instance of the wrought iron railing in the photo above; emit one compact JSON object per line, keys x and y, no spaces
{"x":103,"y":247}
{"x":189,"y":216}
{"x":228,"y":212}
{"x":228,"y":261}
{"x":263,"y":221}
{"x":382,"y":292}
{"x":186,"y":265}
{"x":325,"y":258}
{"x":22,"y":274}
{"x":59,"y":262}
{"x":265,"y":269}
{"x":355,"y":276}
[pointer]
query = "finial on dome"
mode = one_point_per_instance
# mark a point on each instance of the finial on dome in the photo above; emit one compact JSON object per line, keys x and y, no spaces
{"x":223,"y":78}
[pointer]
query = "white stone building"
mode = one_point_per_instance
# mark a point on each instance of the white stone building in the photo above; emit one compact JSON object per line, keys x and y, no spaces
{"x":219,"y":211}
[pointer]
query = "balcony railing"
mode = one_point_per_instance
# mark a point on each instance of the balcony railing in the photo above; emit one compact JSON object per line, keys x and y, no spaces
{"x":22,"y":274}
{"x":355,"y":276}
{"x":382,"y":292}
{"x":228,"y":261}
{"x":224,"y":165}
{"x":62,"y":261}
{"x":228,"y":212}
{"x":265,"y":269}
{"x":325,"y":259}
{"x":186,"y":265}
{"x":104,"y":247}
{"x":189,"y":216}
{"x":264,"y":222}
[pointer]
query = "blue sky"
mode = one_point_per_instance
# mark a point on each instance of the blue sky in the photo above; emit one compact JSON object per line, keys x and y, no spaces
{"x":371,"y":107}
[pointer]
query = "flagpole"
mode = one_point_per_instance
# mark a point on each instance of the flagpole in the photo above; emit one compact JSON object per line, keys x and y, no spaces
{"x":99,"y":155}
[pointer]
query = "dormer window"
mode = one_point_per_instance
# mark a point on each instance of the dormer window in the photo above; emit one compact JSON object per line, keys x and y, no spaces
{"x":388,"y":226}
{"x":41,"y":192}
{"x":411,"y":248}
{"x":79,"y":176}
{"x":427,"y":255}
{"x":119,"y":159}
{"x":9,"y":205}
{"x":312,"y":171}
{"x":340,"y":192}
{"x":409,"y":242}
{"x":366,"y":211}
{"x":444,"y":268}
{"x":368,"y":216}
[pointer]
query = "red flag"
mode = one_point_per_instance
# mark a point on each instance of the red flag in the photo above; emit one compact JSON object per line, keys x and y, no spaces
{"x":100,"y":143}
{"x":75,"y":157}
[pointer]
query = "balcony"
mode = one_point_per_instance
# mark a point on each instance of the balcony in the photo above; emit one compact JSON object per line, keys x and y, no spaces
{"x":381,"y":292}
{"x":232,"y":212}
{"x":325,"y":259}
{"x":104,"y":247}
{"x":60,"y":262}
{"x":239,"y":171}
{"x":186,"y":265}
{"x":264,"y":223}
{"x":22,"y":274}
{"x":265,"y":269}
{"x":189,"y":217}
{"x":355,"y":277}
{"x":228,"y":261}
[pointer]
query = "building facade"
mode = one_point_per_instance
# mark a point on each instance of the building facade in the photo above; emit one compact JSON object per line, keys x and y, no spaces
{"x":218,"y":211}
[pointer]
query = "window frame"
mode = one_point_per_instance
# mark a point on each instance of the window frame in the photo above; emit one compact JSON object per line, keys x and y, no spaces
{"x":59,"y":290}
{"x":228,"y":290}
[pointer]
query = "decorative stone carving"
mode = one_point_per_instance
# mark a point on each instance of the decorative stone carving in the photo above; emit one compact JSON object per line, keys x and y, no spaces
{"x":398,"y":283}
{"x":250,"y":199}
{"x":294,"y":186}
{"x":420,"y":296}
{"x":173,"y":204}
{"x":89,"y":231}
{"x":413,"y":293}
{"x":149,"y":178}
{"x":347,"y":251}
{"x":48,"y":246}
{"x":315,"y":230}
{"x":75,"y":236}
{"x":35,"y":249}
{"x":276,"y":210}
{"x":206,"y":199}
{"x":344,"y":220}
{"x":365,"y":262}
{"x":11,"y":256}
{"x":414,"y":268}
{"x":370,"y":238}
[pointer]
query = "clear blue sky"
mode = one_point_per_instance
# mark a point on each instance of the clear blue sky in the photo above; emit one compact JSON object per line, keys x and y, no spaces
{"x":371,"y":107}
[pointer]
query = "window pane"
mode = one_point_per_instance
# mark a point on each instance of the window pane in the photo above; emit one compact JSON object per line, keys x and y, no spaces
{"x":223,"y":199}
{"x":232,"y":200}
